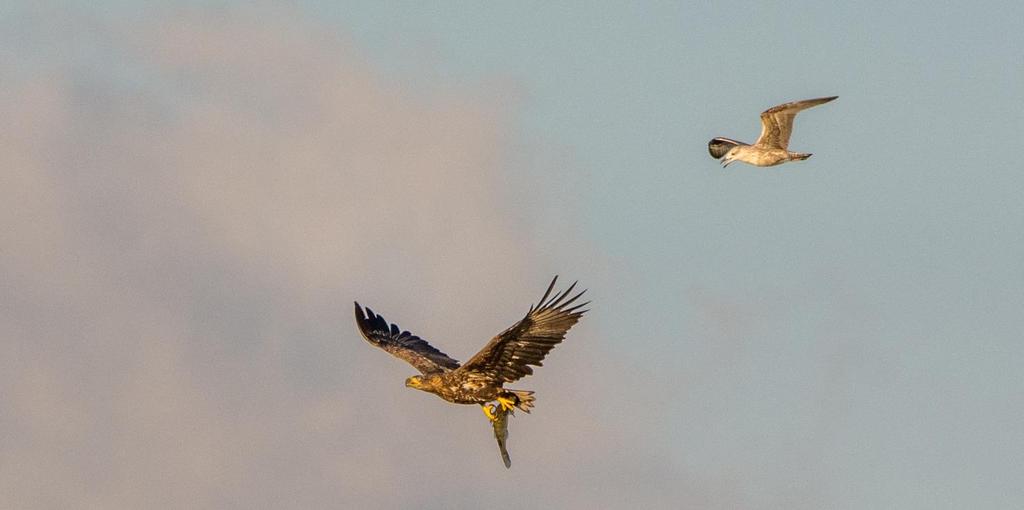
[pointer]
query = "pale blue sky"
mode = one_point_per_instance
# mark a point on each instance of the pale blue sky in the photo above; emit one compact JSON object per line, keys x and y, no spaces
{"x":911,"y":210}
{"x":844,"y":332}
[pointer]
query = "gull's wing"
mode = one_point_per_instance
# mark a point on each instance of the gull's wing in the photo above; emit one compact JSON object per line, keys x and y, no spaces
{"x":777,"y":122}
{"x":507,"y":357}
{"x":402,"y":344}
{"x":719,"y":146}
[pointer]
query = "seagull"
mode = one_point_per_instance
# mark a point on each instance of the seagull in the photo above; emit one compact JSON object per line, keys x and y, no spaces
{"x":770,"y":147}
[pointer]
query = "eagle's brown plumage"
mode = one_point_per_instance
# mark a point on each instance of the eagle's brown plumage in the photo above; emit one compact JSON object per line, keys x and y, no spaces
{"x":402,"y":344}
{"x":508,"y":357}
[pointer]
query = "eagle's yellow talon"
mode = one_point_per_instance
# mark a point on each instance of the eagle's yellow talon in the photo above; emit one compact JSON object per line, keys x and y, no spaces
{"x":489,"y":412}
{"x":506,"y":404}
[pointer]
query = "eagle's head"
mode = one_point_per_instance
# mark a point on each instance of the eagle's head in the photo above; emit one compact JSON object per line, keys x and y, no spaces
{"x":425,"y":383}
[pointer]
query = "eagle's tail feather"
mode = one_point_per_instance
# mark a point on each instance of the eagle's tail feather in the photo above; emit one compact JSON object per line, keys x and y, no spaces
{"x":523,"y":399}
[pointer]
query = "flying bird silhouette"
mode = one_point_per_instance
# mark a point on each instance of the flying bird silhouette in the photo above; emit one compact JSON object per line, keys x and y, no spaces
{"x":505,"y":359}
{"x":771,"y":148}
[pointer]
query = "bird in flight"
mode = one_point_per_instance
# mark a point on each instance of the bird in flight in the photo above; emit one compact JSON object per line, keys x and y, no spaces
{"x":505,"y":359}
{"x":770,"y":149}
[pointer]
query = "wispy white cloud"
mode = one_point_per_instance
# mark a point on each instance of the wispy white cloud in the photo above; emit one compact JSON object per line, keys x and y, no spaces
{"x":189,"y":205}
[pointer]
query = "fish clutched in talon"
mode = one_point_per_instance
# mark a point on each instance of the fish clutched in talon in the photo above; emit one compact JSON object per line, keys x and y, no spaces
{"x":489,"y":411}
{"x":506,"y":358}
{"x":502,"y":405}
{"x":500,"y":425}
{"x":508,"y":404}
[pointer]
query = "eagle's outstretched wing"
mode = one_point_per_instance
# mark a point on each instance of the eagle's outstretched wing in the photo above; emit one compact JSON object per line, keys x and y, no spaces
{"x":402,"y":344}
{"x":507,"y":357}
{"x":777,"y":122}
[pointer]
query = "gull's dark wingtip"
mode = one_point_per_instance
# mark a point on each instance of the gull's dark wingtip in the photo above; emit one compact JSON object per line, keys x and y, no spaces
{"x":719,"y":146}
